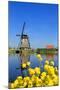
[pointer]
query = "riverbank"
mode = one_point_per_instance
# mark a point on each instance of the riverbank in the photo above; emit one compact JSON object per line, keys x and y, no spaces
{"x":41,"y":51}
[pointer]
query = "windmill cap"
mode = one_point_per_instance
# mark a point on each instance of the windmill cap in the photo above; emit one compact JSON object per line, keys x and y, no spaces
{"x":25,"y":36}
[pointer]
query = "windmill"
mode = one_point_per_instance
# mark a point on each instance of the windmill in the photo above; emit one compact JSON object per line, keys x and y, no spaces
{"x":24,"y":43}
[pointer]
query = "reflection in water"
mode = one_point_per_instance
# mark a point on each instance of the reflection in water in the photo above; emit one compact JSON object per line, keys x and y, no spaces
{"x":15,"y":61}
{"x":50,"y":56}
{"x":24,"y":57}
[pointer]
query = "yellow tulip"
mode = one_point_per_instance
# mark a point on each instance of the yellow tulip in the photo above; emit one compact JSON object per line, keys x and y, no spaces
{"x":16,"y":83}
{"x":38,"y":85}
{"x":39,"y":56}
{"x":33,"y":78}
{"x":56,"y":70}
{"x":25,"y":84}
{"x":52,"y":63}
{"x":24,"y":65}
{"x":28,"y":63}
{"x":30,"y":84}
{"x":26,"y":79}
{"x":42,"y":78}
{"x":21,"y":82}
{"x":46,"y":82}
{"x":51,"y":70}
{"x":50,"y":83}
{"x":55,"y":79}
{"x":39,"y":81}
{"x":37,"y":70}
{"x":47,"y":62}
{"x":43,"y":73}
{"x":31,"y":71}
{"x":12,"y":86}
{"x":36,"y":78}
{"x":46,"y":67}
{"x":48,"y":77}
{"x":19,"y":78}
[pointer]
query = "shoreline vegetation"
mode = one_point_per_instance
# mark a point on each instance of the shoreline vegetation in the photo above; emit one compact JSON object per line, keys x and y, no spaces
{"x":38,"y":50}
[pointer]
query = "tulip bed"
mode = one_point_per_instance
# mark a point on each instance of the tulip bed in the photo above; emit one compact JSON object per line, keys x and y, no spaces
{"x":36,"y":77}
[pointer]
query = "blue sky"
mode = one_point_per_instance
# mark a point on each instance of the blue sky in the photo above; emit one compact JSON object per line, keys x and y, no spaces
{"x":41,"y":23}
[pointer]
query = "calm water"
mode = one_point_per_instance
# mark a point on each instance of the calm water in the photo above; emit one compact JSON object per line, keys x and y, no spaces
{"x":16,"y":60}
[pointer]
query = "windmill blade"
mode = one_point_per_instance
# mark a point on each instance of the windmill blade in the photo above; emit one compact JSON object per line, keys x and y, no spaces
{"x":23,"y":28}
{"x":18,"y":35}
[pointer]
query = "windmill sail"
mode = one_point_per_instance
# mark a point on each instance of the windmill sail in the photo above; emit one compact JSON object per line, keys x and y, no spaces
{"x":23,"y":29}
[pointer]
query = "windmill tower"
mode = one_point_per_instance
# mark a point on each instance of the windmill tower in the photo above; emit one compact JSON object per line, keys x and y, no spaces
{"x":24,"y":40}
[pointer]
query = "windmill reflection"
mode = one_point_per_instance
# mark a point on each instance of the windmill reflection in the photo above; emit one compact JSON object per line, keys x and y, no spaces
{"x":24,"y":57}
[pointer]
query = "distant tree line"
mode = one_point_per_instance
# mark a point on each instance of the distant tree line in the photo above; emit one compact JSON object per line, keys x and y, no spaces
{"x":47,"y":51}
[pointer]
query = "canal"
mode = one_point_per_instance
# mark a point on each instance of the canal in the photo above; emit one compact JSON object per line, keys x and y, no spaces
{"x":15,"y":61}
